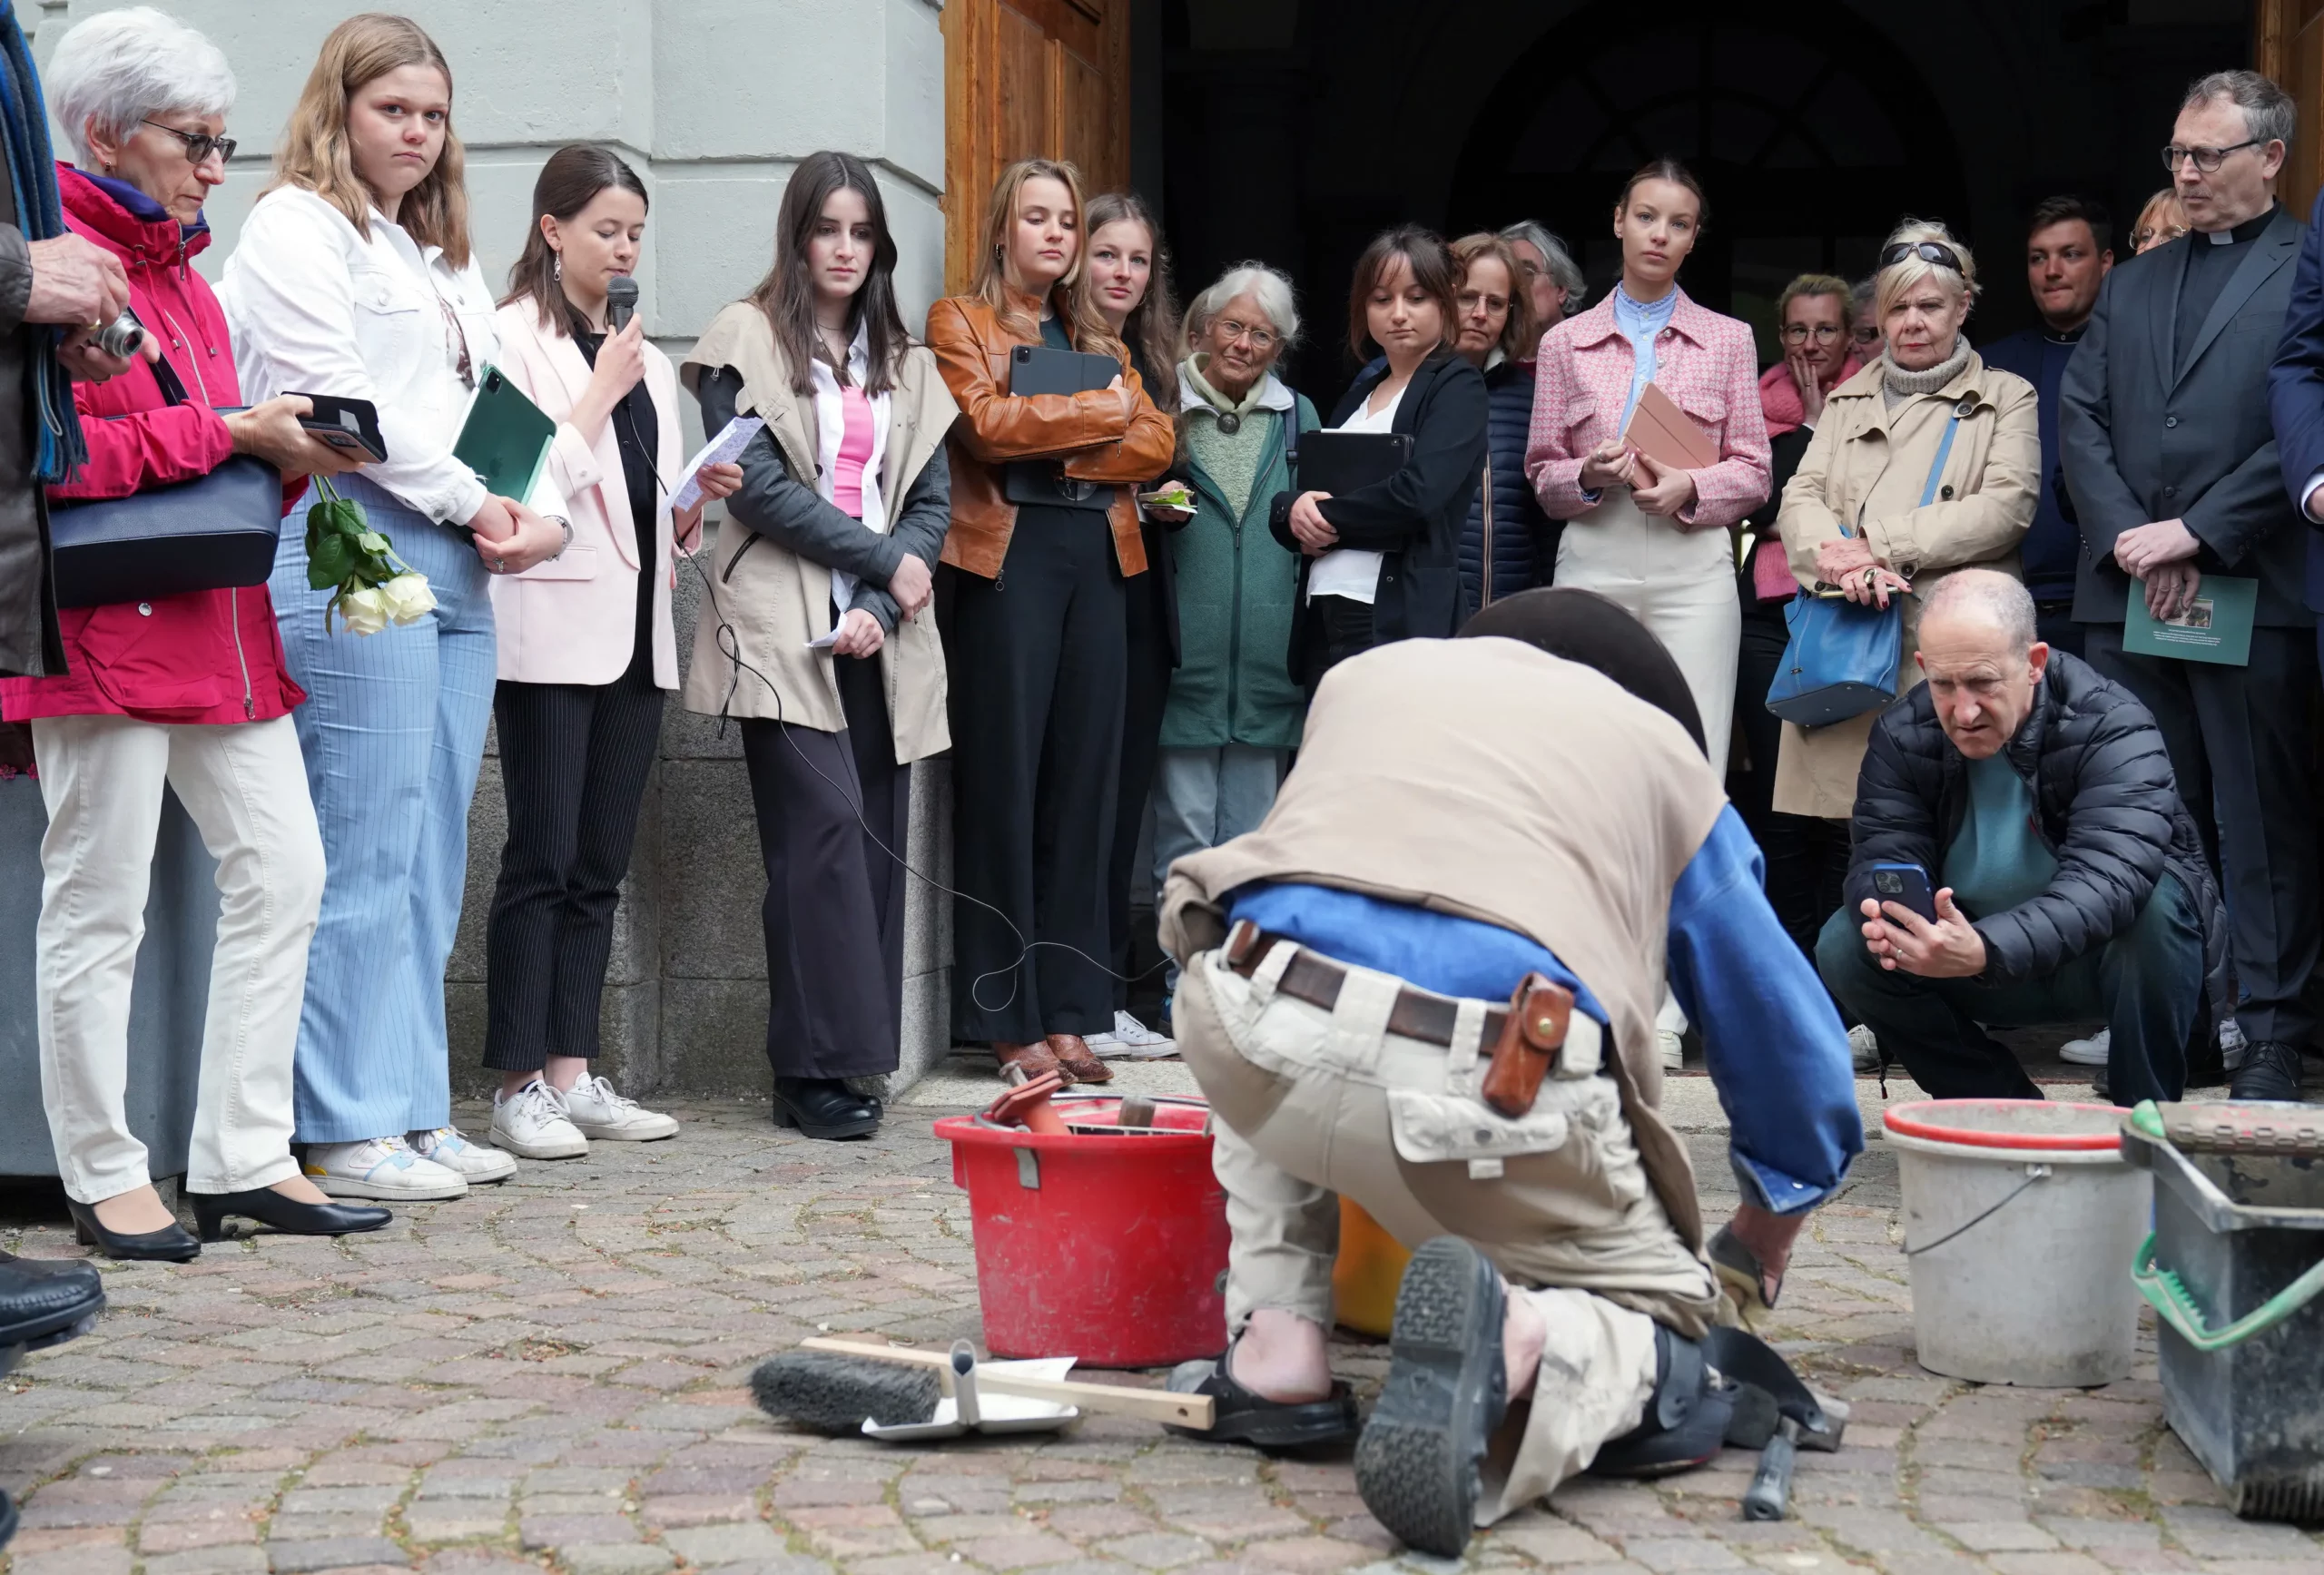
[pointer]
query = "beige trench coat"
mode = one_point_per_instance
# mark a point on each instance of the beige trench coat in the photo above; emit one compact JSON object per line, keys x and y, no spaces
{"x":1867,"y":465}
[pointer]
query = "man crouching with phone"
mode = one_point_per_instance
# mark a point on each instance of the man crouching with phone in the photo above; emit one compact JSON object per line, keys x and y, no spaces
{"x":1428,"y":981}
{"x":2037,"y":797}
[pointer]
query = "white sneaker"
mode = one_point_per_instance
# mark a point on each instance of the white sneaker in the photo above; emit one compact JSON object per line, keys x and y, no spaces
{"x":596,"y":1111}
{"x":1673,"y":1047}
{"x":1131,"y":1040}
{"x":532,"y":1122}
{"x":451,"y":1148}
{"x":1863,"y":1049}
{"x":2089,"y":1052}
{"x":381,"y":1168}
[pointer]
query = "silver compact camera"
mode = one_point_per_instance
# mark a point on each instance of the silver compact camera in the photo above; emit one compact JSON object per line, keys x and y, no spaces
{"x":121,"y":338}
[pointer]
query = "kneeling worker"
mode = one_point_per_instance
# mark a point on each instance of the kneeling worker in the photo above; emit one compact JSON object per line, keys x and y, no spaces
{"x":1428,"y":981}
{"x":2038,"y":797}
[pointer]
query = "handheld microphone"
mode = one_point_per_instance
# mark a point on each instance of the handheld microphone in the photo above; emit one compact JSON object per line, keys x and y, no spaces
{"x":621,"y":301}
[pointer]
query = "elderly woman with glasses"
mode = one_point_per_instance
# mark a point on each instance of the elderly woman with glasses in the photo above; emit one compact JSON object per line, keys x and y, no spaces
{"x":2162,"y":221}
{"x":1555,"y":287}
{"x":1924,"y":462}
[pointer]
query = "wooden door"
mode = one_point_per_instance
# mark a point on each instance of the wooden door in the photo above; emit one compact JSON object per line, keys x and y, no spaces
{"x":2288,"y":40}
{"x":1025,"y":79}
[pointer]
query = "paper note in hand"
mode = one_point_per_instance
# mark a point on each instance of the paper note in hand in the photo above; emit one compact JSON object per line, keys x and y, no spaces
{"x":1666,"y":435}
{"x":724,"y":450}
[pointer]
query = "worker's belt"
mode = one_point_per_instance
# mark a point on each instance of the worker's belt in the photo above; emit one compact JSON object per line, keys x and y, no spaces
{"x":1521,"y":1038}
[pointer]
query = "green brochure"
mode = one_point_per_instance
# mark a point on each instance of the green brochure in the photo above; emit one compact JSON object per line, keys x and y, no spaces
{"x":2215,"y":627}
{"x":505,"y":437}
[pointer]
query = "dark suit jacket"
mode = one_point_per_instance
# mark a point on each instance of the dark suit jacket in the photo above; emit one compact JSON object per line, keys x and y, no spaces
{"x":2296,"y":389}
{"x":2143,"y":443}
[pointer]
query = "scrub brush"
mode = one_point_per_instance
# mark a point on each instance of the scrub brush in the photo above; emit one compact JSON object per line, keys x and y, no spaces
{"x":834,"y":1395}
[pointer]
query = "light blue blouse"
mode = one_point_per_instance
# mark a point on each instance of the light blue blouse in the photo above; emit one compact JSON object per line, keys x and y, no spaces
{"x":1640,"y":322}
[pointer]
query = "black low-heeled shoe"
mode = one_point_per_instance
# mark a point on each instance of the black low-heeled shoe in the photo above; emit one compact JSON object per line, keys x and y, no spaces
{"x":824,"y":1108}
{"x":170,"y":1245}
{"x":287,"y":1214}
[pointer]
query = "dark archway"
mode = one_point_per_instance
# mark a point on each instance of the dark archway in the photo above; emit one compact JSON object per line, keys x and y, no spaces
{"x":1803,"y":158}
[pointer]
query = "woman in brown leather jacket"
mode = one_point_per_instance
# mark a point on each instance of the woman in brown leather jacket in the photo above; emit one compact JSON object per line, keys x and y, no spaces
{"x":1034,"y":630}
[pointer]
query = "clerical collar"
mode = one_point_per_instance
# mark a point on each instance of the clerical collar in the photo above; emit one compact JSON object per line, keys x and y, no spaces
{"x":2066,"y":336}
{"x":2249,"y":230}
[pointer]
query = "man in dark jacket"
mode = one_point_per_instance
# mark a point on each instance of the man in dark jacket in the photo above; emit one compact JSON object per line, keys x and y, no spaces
{"x":2037,"y":798}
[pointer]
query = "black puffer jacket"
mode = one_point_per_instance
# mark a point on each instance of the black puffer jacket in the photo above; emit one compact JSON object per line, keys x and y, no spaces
{"x":2108,"y":808}
{"x":1521,"y":533}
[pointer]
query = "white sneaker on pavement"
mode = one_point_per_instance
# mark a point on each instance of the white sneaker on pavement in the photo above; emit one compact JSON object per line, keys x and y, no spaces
{"x":449,"y":1147}
{"x":1673,"y":1047}
{"x":1863,"y":1049}
{"x":2090,"y":1052}
{"x":384,"y":1169}
{"x":532,"y":1122}
{"x":1131,"y":1040}
{"x":596,"y":1111}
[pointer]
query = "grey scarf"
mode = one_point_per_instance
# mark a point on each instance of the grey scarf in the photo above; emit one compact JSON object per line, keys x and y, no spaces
{"x":1898,"y":385}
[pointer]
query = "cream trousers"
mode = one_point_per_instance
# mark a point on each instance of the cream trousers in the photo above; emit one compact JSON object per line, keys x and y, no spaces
{"x":1313,"y":1103}
{"x":245,"y":786}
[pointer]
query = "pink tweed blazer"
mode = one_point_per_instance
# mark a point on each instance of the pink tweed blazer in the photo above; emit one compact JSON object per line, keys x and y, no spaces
{"x":1704,"y":361}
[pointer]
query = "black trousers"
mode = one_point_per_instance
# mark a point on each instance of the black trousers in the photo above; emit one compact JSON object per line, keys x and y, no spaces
{"x":2053,"y":624}
{"x":1337,"y":627}
{"x":2242,"y":744}
{"x":1146,"y":694}
{"x":1037,"y":657}
{"x":835,"y":908}
{"x":1807,"y":855}
{"x":574,"y":763}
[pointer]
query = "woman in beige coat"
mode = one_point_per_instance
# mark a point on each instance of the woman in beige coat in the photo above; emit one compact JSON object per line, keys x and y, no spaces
{"x":1853,"y":515}
{"x":815,"y":627}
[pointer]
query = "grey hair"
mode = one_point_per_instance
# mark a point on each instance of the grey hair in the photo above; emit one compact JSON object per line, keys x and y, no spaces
{"x":1555,"y":257}
{"x":2268,"y":113}
{"x":2000,"y":599}
{"x":1263,"y":284}
{"x":118,"y":67}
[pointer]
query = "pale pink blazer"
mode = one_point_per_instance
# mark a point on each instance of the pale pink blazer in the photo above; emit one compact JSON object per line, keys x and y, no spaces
{"x":572,"y":619}
{"x":1704,"y":361}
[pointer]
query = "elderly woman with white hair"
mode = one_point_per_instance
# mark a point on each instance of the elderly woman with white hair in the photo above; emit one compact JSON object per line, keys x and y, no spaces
{"x":1924,"y":462}
{"x":188,"y":691}
{"x":1553,"y":281}
{"x":1234,"y":711}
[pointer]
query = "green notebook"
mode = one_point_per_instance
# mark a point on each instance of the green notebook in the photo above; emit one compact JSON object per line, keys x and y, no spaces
{"x":505,"y":437}
{"x":2217,"y":628}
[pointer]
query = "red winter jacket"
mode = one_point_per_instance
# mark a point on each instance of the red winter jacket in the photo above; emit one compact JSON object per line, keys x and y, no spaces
{"x":209,"y":656}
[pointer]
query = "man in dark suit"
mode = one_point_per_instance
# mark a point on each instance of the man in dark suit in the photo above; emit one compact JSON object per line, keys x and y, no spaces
{"x":2171,"y":462}
{"x":2296,"y":399}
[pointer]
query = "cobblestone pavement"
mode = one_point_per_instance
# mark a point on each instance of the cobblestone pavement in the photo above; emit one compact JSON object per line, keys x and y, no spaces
{"x":549,"y":1374}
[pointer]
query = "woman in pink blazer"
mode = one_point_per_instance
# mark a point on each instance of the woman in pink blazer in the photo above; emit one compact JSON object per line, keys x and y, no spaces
{"x":1654,"y":540}
{"x":586,"y":655}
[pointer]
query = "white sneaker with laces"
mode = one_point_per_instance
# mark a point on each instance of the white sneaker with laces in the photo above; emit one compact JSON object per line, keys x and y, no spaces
{"x":1863,"y":1049}
{"x":532,"y":1122}
{"x":384,"y":1169}
{"x":1131,"y":1040}
{"x":1673,"y":1047}
{"x":449,"y":1147}
{"x":596,"y":1111}
{"x":2092,"y":1051}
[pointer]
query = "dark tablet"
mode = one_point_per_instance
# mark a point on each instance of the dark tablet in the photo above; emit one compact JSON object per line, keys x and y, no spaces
{"x":1039,"y":369}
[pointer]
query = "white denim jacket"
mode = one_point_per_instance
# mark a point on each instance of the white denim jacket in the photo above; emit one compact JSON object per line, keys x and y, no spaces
{"x":317,"y":308}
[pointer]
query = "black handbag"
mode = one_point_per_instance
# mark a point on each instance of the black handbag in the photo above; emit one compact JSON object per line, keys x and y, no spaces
{"x":216,"y":532}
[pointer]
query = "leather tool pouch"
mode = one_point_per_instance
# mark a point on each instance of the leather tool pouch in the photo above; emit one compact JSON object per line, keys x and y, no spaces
{"x":1529,"y":1037}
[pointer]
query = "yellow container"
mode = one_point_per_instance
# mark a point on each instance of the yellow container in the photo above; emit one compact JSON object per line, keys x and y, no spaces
{"x":1370,"y":1266}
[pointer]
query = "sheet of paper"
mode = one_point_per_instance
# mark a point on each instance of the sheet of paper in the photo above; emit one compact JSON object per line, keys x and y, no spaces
{"x":723,"y":450}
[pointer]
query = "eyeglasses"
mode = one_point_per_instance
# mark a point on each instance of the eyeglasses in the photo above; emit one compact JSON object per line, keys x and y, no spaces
{"x":1865,"y":333}
{"x":1471,"y":300}
{"x":200,"y":145}
{"x":1229,"y":330}
{"x":462,"y":361}
{"x":1927,"y":251}
{"x":2146,"y":234}
{"x":1796,"y":333}
{"x":2206,"y":160}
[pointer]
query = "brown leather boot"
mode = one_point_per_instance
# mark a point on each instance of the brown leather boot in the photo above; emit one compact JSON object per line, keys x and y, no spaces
{"x":1081,"y":1062}
{"x":1035,"y":1059}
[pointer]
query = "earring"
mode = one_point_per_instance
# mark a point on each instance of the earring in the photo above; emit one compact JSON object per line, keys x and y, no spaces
{"x":556,"y":267}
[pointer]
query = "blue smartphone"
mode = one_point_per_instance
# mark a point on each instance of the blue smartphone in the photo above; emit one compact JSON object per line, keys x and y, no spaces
{"x":1905,"y":885}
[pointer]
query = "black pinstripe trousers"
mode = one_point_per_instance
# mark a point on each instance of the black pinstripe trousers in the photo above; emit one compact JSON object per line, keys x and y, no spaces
{"x":834,"y":912}
{"x":574,"y":763}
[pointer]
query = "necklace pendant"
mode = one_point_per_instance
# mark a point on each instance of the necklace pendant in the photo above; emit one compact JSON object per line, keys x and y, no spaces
{"x":1229,"y":423}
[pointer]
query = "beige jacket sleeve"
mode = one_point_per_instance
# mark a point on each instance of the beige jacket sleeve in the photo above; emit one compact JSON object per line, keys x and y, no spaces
{"x":1997,"y":509}
{"x":1805,"y":520}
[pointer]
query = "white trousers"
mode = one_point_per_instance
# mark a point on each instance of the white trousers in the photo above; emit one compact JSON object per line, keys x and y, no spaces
{"x":245,"y":786}
{"x":1679,"y":583}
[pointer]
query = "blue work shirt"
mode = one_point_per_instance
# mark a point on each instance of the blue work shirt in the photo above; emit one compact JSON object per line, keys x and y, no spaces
{"x":1778,"y":1054}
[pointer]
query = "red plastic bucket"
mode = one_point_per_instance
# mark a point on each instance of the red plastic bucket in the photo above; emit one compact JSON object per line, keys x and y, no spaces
{"x":1107,"y":1249}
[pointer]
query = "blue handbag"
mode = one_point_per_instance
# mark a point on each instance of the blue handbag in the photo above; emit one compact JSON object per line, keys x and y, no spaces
{"x":1841,"y":659}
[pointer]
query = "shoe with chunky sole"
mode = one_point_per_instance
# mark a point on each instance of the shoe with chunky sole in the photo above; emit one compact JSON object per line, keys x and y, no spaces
{"x":1241,"y":1416}
{"x":1418,"y":1466}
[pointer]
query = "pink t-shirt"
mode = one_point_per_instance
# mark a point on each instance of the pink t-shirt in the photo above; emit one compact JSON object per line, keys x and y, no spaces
{"x":854,"y":450}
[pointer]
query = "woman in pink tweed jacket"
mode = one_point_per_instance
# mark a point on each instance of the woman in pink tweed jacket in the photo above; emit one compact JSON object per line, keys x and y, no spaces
{"x":1654,"y":542}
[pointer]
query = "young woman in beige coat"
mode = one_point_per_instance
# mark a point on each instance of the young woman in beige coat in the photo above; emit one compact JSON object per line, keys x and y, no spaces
{"x":815,"y":627}
{"x":1853,"y":515}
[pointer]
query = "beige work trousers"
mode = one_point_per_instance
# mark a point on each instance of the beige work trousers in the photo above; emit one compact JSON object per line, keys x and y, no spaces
{"x":1314,"y":1103}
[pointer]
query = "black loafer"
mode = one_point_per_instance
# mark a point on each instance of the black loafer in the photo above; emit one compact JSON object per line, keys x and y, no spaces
{"x":2271,"y":1070}
{"x":824,"y":1108}
{"x":170,"y":1245}
{"x":44,"y":1302}
{"x":1418,"y":1466}
{"x":1240,"y":1415}
{"x":287,"y":1214}
{"x":1685,"y":1420}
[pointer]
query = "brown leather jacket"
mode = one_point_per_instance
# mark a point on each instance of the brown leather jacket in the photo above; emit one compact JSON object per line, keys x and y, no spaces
{"x":972,"y":352}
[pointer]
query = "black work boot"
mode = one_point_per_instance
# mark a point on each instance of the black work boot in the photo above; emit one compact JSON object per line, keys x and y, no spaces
{"x":2271,"y":1070}
{"x":1418,"y":1465}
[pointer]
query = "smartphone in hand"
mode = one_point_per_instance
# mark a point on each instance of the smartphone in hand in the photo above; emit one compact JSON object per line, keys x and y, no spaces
{"x":349,"y":425}
{"x":1908,"y":886}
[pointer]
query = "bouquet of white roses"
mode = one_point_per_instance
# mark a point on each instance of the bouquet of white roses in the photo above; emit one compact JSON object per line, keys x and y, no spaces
{"x":375,"y":586}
